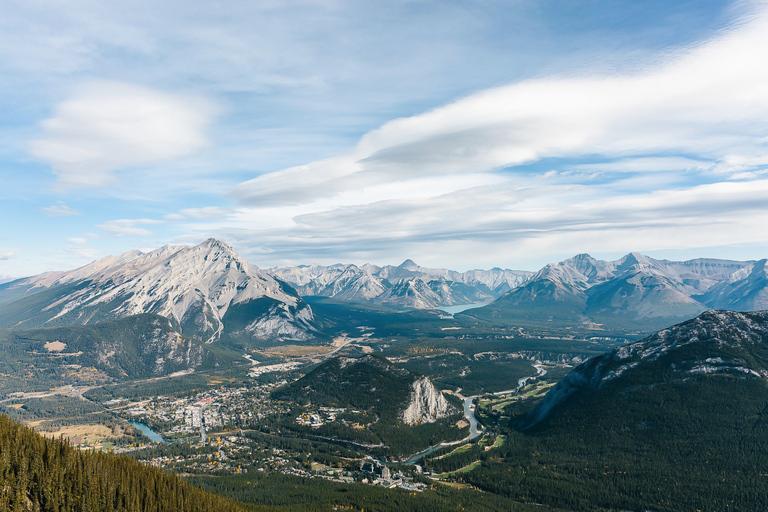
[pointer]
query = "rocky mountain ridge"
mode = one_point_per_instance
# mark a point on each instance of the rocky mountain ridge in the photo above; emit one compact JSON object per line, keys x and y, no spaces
{"x":635,"y":292}
{"x":407,"y":284}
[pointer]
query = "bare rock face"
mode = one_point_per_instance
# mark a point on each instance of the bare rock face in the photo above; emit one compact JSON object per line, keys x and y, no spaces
{"x":427,"y":404}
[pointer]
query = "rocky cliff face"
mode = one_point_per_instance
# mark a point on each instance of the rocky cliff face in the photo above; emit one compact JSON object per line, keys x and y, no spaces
{"x":427,"y":404}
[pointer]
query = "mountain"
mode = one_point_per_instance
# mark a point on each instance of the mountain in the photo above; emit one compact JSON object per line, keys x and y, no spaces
{"x":198,"y":288}
{"x":406,"y":285}
{"x":634,"y":293}
{"x":715,"y":343}
{"x":395,"y":411}
{"x":677,"y":421}
{"x":135,"y":347}
{"x":746,"y":290}
{"x":371,"y":383}
{"x":38,"y":473}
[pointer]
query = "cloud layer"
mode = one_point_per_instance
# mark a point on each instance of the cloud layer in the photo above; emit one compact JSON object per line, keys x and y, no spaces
{"x":709,"y":101}
{"x":638,"y":160}
{"x":336,"y":131}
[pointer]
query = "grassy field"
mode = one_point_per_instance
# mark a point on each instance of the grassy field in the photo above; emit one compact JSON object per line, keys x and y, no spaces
{"x":461,"y":449}
{"x":465,"y":469}
{"x":91,"y":435}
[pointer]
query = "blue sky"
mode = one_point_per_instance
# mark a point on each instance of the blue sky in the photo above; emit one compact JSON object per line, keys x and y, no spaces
{"x":460,"y":134}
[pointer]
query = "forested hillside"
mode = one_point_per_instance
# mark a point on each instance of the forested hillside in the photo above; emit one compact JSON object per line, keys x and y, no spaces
{"x":41,"y":474}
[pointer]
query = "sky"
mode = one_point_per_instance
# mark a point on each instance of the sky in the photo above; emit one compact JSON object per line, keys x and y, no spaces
{"x":460,"y":134}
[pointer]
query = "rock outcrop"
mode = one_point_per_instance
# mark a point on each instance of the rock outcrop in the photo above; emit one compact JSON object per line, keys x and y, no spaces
{"x":427,"y":404}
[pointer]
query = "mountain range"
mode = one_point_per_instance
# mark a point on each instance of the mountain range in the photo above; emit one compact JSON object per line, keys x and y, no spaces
{"x":210,"y":293}
{"x":207,"y":291}
{"x":635,"y":292}
{"x":405,"y":285}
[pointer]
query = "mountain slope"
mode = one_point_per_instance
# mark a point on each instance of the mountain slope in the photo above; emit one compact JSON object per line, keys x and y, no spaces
{"x":135,"y":347}
{"x":194,"y":287}
{"x":38,"y":473}
{"x":744,"y":291}
{"x":714,"y":343}
{"x":677,"y":421}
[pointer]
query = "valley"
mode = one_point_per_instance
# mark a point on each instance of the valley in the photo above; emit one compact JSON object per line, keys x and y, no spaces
{"x":251,"y":433}
{"x":375,"y":402}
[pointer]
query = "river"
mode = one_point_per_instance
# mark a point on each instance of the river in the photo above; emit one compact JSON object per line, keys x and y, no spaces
{"x":469,"y":414}
{"x":151,"y":434}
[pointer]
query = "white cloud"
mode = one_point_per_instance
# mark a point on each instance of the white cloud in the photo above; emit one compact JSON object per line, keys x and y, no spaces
{"x":207,"y":212}
{"x":7,"y":255}
{"x":644,"y":160}
{"x":513,"y":224}
{"x":60,"y":210}
{"x":647,"y":164}
{"x":128,"y":227}
{"x":77,"y":241}
{"x":107,"y":126}
{"x":708,"y":101}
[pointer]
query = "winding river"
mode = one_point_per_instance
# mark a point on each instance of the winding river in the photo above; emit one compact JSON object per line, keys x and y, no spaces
{"x":469,"y":413}
{"x":474,"y":431}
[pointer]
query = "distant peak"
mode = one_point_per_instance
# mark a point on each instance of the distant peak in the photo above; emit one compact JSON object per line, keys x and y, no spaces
{"x":212,"y":242}
{"x":635,"y":256}
{"x":580,"y":260}
{"x":409,"y":264}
